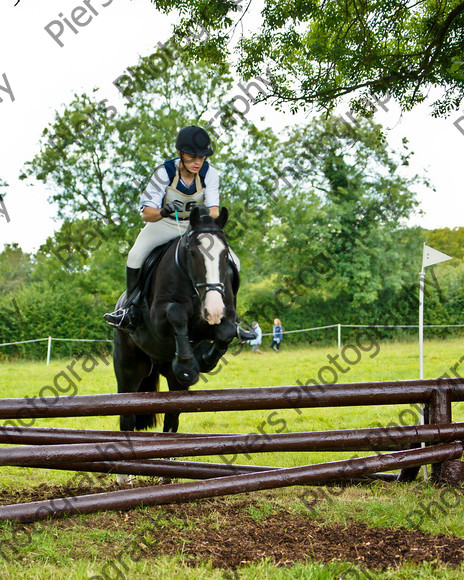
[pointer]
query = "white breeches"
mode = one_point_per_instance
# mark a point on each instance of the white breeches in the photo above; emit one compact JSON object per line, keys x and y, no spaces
{"x":156,"y":234}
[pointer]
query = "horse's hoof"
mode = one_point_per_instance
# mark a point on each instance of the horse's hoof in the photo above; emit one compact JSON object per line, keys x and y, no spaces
{"x":206,"y":363}
{"x":186,"y":375}
{"x":123,"y":479}
{"x":206,"y":366}
{"x":188,"y":379}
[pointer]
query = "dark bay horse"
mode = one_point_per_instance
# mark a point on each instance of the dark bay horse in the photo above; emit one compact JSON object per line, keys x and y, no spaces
{"x":188,"y":319}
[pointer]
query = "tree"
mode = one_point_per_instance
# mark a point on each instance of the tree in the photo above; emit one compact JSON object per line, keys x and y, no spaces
{"x":340,"y":241}
{"x":447,"y":240}
{"x":87,"y":256}
{"x":15,"y":269}
{"x":317,"y":213}
{"x":61,"y":291}
{"x":97,"y":160}
{"x":314,"y":53}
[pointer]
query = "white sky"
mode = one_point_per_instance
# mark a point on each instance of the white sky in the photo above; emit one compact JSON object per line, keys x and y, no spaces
{"x":43,"y":76}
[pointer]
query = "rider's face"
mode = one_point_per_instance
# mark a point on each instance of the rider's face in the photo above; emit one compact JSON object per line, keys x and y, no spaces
{"x":193,"y":162}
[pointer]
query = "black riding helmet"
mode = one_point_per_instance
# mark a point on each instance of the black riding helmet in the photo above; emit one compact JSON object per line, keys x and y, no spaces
{"x":194,"y":141}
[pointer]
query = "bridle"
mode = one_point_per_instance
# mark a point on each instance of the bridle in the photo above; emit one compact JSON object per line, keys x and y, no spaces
{"x":207,"y":286}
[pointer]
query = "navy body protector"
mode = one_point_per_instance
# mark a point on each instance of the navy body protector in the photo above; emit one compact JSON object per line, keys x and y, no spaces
{"x":171,"y":170}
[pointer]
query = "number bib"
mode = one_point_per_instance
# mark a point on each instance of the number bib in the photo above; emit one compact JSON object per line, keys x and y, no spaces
{"x":188,"y":201}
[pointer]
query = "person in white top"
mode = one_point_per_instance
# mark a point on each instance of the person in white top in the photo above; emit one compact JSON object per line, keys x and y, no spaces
{"x":174,"y":189}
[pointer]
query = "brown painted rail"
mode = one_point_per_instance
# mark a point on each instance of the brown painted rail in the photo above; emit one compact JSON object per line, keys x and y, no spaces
{"x":188,"y":469}
{"x":337,"y":395}
{"x":52,"y":435}
{"x":370,"y":439}
{"x":160,"y":468}
{"x":379,"y":439}
{"x":126,"y":499}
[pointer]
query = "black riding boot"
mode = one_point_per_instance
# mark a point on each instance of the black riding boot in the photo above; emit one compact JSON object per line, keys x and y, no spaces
{"x":128,"y":316}
{"x":244,"y":334}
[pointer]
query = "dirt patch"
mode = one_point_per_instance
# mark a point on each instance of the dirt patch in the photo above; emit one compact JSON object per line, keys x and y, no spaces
{"x":80,"y":487}
{"x":230,"y":533}
{"x":286,"y":538}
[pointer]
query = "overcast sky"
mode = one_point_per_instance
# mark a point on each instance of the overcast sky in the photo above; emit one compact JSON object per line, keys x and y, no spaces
{"x":38,"y":75}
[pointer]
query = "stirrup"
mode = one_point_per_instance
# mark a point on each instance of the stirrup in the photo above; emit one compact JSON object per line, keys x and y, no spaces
{"x":122,"y":319}
{"x":116,"y":318}
{"x":243,"y":335}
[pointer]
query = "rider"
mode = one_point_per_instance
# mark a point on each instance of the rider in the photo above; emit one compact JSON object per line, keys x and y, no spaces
{"x":175,"y":188}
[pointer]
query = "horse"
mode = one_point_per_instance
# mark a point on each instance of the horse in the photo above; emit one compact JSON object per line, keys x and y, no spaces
{"x":188,"y":318}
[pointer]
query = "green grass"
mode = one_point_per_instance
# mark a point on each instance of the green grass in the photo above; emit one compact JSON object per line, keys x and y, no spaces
{"x":79,"y":553}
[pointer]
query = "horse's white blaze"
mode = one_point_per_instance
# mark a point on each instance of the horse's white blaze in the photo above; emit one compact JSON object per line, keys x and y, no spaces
{"x":211,"y":248}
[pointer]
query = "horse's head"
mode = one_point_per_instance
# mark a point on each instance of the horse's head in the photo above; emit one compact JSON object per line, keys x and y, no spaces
{"x":208,"y":251}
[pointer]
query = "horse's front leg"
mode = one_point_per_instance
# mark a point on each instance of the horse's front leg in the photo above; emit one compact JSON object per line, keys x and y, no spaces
{"x":209,"y":354}
{"x":184,"y":366}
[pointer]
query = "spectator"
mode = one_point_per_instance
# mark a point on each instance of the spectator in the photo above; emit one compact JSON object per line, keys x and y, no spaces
{"x":277,"y":334}
{"x":256,"y":342}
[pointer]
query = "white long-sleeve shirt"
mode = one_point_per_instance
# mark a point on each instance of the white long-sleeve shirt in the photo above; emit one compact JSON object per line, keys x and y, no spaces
{"x":156,"y":188}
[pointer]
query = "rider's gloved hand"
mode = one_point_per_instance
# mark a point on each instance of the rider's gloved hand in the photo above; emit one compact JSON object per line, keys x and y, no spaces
{"x":171,"y":207}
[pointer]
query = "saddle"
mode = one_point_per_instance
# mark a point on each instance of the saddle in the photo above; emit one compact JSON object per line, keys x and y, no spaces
{"x":151,"y":263}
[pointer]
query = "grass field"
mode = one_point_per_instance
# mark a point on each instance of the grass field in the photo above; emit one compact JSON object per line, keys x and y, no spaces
{"x":79,"y":547}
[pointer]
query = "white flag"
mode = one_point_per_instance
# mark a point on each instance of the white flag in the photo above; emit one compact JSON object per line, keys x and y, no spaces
{"x":432,"y":257}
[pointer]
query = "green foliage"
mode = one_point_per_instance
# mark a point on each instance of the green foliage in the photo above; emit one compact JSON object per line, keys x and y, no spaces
{"x":91,"y":152}
{"x":447,"y":240}
{"x":15,"y":268}
{"x":316,"y":52}
{"x":63,"y":290}
{"x":97,"y":160}
{"x":317,"y":214}
{"x":359,"y":201}
{"x":338,"y":248}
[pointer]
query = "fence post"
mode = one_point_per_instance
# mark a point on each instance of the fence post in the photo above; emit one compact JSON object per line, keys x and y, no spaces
{"x":439,"y":413}
{"x":339,"y":336}
{"x":49,"y":349}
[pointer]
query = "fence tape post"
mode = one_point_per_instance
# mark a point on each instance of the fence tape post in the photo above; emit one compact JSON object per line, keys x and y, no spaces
{"x":49,"y":349}
{"x":339,"y":336}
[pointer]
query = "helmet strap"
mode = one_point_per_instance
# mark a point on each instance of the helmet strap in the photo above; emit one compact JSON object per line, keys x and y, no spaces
{"x":185,"y":167}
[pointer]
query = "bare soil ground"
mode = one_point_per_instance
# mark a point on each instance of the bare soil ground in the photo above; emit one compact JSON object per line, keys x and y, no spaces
{"x":229,"y":534}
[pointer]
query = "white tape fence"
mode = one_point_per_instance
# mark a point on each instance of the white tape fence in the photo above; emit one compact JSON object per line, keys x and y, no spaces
{"x":50,"y":339}
{"x":339,"y":327}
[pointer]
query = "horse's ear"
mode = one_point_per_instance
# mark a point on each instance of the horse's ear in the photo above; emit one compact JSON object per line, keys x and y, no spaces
{"x":194,"y":216}
{"x":221,"y":220}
